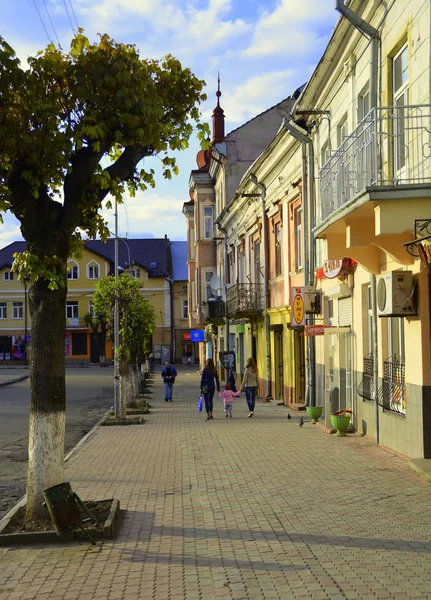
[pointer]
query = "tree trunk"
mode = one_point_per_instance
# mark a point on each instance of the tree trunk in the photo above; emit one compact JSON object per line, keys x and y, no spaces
{"x":48,"y":393}
{"x":123,"y":369}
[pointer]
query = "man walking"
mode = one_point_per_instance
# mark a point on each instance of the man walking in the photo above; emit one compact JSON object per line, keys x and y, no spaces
{"x":168,"y":375}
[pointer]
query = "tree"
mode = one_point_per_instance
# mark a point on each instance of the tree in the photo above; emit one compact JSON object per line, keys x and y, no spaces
{"x":73,"y":129}
{"x":136,"y":324}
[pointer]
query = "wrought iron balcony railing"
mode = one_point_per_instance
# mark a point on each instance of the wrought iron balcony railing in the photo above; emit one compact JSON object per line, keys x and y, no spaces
{"x":245,"y":300}
{"x":391,"y":146}
{"x":214,"y":310}
{"x":366,"y":387}
{"x":75,"y":322}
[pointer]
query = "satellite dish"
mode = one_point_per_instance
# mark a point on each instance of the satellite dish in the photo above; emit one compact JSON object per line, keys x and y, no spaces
{"x":214,"y":282}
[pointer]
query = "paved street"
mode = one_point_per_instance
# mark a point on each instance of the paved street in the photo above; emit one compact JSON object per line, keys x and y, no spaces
{"x":89,"y":395}
{"x":250,"y":509}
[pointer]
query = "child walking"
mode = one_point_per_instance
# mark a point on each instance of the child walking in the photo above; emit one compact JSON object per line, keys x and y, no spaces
{"x":227,"y":396}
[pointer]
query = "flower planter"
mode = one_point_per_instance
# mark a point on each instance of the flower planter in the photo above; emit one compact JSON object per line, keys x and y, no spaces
{"x":341,"y":423}
{"x":314,"y":412}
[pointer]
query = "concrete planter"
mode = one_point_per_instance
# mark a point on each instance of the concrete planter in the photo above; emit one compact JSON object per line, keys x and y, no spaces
{"x":341,"y":423}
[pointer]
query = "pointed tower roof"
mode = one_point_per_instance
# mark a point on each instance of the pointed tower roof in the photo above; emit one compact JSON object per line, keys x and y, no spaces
{"x":218,"y":118}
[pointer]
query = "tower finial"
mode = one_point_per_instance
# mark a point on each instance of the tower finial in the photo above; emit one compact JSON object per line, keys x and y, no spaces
{"x":218,"y":92}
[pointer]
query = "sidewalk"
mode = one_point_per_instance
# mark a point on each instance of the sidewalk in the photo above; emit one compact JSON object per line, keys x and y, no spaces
{"x":247,"y":509}
{"x":10,"y":375}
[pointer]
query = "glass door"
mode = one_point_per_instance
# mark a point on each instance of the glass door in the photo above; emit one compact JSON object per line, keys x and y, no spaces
{"x":338,"y":371}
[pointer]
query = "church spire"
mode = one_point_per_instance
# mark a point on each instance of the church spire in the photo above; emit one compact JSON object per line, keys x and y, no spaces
{"x":218,"y":118}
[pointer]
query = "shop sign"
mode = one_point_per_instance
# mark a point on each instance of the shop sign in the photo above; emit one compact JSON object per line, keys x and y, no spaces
{"x":187,"y":337}
{"x":335,"y":268}
{"x":316,"y":329}
{"x":298,"y":306}
{"x":197,"y":335}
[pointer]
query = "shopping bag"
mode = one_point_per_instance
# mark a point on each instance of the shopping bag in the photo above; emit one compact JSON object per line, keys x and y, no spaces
{"x":200,"y":403}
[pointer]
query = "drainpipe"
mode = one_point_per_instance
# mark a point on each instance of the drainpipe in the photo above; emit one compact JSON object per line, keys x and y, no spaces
{"x":308,"y":213}
{"x":226,"y":263}
{"x":369,"y":31}
{"x":262,"y":189}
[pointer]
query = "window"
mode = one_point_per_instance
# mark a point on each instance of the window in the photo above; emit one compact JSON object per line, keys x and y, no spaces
{"x":17,"y":310}
{"x":278,"y":249}
{"x":363,"y":102}
{"x":135,"y":273}
{"x":8,"y":276}
{"x":3,"y":310}
{"x":91,"y":310}
{"x":72,"y":271}
{"x":393,"y":391}
{"x":241,"y":267}
{"x":401,"y":89}
{"x":324,"y":153}
{"x":231,"y":265}
{"x":209,"y":291}
{"x":342,"y":131}
{"x":71,"y":310}
{"x":208,"y":222}
{"x":297,"y":223}
{"x":257,"y":272}
{"x":184,"y":309}
{"x":93,"y":272}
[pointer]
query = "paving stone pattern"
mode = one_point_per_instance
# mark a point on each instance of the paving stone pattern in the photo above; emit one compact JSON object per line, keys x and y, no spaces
{"x":247,"y":509}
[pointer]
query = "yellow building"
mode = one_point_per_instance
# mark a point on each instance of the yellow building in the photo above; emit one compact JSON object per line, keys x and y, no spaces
{"x":148,"y":260}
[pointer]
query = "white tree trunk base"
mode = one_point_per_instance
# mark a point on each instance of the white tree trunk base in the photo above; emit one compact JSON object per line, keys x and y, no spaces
{"x":46,"y":452}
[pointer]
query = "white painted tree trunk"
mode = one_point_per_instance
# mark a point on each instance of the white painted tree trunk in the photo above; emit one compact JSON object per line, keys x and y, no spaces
{"x":45,"y":457}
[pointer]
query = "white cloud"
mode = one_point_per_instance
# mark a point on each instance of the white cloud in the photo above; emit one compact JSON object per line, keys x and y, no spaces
{"x":293,"y":27}
{"x":11,"y":234}
{"x":149,"y":215}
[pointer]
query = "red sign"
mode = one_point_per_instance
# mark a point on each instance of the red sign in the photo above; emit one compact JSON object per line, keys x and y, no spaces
{"x":187,"y":337}
{"x":316,"y":329}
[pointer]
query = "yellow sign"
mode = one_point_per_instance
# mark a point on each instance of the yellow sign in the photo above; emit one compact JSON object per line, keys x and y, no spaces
{"x":298,"y":309}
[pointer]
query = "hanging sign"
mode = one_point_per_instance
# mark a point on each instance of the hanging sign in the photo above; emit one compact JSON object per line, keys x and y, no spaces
{"x":316,"y":329}
{"x":197,"y":335}
{"x":298,"y":307}
{"x":335,"y":268}
{"x":187,"y":337}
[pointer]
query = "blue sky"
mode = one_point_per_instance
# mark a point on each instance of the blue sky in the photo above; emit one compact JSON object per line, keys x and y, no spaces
{"x":263,"y":50}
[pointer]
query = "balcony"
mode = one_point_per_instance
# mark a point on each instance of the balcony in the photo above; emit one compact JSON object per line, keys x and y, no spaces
{"x":245,"y":300}
{"x":75,"y":323}
{"x":389,"y":148}
{"x":214,"y":310}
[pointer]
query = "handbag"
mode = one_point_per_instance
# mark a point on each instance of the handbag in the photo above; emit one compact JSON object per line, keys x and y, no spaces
{"x":200,"y":403}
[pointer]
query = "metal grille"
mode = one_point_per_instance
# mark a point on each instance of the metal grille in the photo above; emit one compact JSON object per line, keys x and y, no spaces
{"x":390,"y":146}
{"x":366,"y":387}
{"x":245,"y":300}
{"x":392,"y":394}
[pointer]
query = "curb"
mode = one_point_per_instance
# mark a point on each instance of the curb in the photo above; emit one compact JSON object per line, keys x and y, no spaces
{"x":10,"y":381}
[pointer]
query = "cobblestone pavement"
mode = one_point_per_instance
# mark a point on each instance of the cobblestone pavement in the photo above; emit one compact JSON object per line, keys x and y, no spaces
{"x":247,"y":509}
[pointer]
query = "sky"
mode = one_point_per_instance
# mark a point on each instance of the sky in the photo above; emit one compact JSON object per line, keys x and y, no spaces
{"x":263,"y":50}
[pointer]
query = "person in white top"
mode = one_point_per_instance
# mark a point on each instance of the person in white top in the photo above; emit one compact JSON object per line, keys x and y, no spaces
{"x":249,"y":384}
{"x":227,"y":396}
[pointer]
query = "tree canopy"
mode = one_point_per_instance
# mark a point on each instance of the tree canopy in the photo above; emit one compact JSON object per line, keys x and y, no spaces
{"x":68,"y":112}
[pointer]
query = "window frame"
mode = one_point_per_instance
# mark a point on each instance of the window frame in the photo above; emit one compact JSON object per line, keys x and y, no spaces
{"x":90,"y":266}
{"x":298,"y":237}
{"x":3,"y":311}
{"x":342,"y":129}
{"x":8,"y":275}
{"x":72,"y":304}
{"x":208,"y":223}
{"x":71,"y":268}
{"x":19,"y":310}
{"x":278,"y":239}
{"x":184,"y":308}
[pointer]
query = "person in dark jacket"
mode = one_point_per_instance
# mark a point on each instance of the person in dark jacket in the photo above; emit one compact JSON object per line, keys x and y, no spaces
{"x":232,"y":379}
{"x":209,"y":383}
{"x":168,"y":375}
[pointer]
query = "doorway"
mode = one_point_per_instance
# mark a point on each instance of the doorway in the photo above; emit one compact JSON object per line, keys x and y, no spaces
{"x":338,"y":371}
{"x":278,"y":364}
{"x":299,"y":365}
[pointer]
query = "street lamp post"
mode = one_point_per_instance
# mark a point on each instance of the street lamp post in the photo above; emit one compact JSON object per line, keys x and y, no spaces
{"x":116,"y":319}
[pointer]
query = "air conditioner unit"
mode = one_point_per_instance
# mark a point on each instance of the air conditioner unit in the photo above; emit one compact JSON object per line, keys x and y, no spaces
{"x":395,"y":294}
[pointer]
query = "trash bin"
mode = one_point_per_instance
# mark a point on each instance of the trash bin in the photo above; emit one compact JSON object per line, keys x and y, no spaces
{"x":62,"y":507}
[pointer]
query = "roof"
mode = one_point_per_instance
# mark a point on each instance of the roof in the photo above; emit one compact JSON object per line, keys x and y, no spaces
{"x":150,"y":254}
{"x":179,"y":253}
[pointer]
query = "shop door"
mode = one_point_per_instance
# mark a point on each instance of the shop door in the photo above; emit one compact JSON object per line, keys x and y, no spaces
{"x":279,"y":377}
{"x":338,"y":371}
{"x":299,"y":392}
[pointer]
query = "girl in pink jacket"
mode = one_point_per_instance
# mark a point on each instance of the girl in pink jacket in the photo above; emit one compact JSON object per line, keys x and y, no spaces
{"x":227,"y":396}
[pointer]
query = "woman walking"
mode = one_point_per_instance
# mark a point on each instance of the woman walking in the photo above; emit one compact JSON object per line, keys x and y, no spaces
{"x":249,"y":384}
{"x":209,"y":383}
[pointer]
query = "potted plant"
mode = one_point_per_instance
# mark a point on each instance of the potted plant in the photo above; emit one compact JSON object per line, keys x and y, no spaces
{"x":314,"y":412}
{"x":340,"y":420}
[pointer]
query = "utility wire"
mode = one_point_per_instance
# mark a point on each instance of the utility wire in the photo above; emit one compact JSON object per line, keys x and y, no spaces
{"x":52,"y":24}
{"x":73,"y":13}
{"x":68,"y":16}
{"x":41,"y":20}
